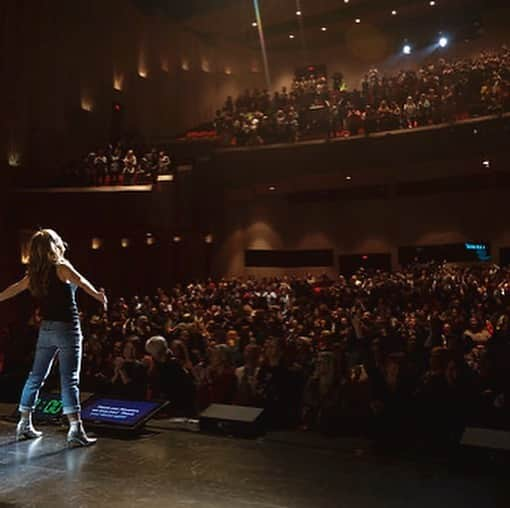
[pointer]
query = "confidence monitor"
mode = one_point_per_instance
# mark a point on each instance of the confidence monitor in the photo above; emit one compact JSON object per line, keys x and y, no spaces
{"x":116,"y":414}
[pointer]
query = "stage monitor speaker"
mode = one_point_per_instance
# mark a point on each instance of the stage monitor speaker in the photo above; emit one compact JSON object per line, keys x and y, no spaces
{"x":240,"y":421}
{"x":490,"y":439}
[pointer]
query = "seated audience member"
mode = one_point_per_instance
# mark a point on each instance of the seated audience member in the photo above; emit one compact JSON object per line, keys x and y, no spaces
{"x":273,"y":384}
{"x":246,"y":393}
{"x":115,"y":166}
{"x":164,"y":163}
{"x":130,"y":166}
{"x":100,"y":167}
{"x":322,"y":394}
{"x":391,"y":404}
{"x":219,"y":383}
{"x":129,"y":379}
{"x":168,"y":380}
{"x":411,"y":113}
{"x":355,"y":402}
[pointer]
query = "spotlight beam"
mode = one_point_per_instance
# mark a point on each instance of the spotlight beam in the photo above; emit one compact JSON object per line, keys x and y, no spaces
{"x":262,"y":39}
{"x":302,"y":33}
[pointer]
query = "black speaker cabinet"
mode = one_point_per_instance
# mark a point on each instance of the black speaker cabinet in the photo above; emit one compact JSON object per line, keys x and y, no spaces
{"x":237,"y":421}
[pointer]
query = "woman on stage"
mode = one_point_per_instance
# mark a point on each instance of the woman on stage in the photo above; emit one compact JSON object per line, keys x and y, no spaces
{"x":53,"y":281}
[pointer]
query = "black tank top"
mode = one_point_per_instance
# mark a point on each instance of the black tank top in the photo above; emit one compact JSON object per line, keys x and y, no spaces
{"x":59,"y":304}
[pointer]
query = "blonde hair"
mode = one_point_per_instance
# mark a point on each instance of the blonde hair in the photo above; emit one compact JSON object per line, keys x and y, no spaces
{"x":46,"y":250}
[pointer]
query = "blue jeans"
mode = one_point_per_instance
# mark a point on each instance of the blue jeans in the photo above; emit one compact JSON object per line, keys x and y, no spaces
{"x":64,"y":340}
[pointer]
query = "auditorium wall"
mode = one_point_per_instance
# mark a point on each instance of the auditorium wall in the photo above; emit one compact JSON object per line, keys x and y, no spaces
{"x":63,"y":61}
{"x":358,"y":227}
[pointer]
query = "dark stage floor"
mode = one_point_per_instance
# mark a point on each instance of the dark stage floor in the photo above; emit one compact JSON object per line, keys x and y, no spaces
{"x":178,"y":469}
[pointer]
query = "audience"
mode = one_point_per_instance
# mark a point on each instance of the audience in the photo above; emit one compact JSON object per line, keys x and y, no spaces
{"x":118,"y":166}
{"x":415,"y":354}
{"x":439,"y":91}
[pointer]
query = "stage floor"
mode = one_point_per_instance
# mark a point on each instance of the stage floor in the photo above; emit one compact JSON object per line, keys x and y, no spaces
{"x":179,"y":469}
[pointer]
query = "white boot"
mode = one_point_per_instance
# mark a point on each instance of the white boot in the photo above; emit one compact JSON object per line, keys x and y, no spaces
{"x":77,"y":435}
{"x":26,"y":430}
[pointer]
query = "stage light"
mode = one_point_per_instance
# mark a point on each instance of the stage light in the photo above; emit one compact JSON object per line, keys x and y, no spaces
{"x":209,"y":239}
{"x":486,"y":163}
{"x":291,"y":36}
{"x":271,"y":188}
{"x":124,"y":243}
{"x":14,"y":159}
{"x":324,"y":29}
{"x":407,"y":49}
{"x":298,"y":13}
{"x":254,"y":24}
{"x":348,"y":178}
{"x":443,"y":42}
{"x":96,"y":243}
{"x":432,"y":3}
{"x":87,"y":104}
{"x":357,"y":20}
{"x":346,"y":1}
{"x":177,"y":239}
{"x":394,"y":12}
{"x":118,"y":81}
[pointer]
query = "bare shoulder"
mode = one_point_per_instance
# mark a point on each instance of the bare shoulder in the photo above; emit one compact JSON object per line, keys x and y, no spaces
{"x":64,"y":270}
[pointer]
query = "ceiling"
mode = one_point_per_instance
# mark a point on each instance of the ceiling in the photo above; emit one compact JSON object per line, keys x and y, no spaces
{"x":232,"y":20}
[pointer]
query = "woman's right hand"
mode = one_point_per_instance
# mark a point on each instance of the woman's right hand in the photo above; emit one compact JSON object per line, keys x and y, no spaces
{"x":102,"y":299}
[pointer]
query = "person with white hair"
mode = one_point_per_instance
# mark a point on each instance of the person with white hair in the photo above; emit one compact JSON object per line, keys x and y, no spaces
{"x":169,"y":379}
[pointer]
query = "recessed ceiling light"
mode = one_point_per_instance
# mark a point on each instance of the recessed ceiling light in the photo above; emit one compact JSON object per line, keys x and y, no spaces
{"x":432,"y":3}
{"x":348,"y":178}
{"x":272,"y":188}
{"x":346,"y":1}
{"x":324,"y":29}
{"x":291,"y":36}
{"x":298,"y":13}
{"x":254,"y":24}
{"x":357,"y":20}
{"x":393,"y":12}
{"x":486,"y":163}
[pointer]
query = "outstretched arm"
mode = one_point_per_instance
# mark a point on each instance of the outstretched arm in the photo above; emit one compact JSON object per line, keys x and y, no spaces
{"x":15,"y":289}
{"x":68,"y":272}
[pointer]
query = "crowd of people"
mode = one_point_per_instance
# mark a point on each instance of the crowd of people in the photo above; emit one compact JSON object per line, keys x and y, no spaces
{"x":116,"y":165}
{"x":439,"y":91}
{"x":416,"y":353}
